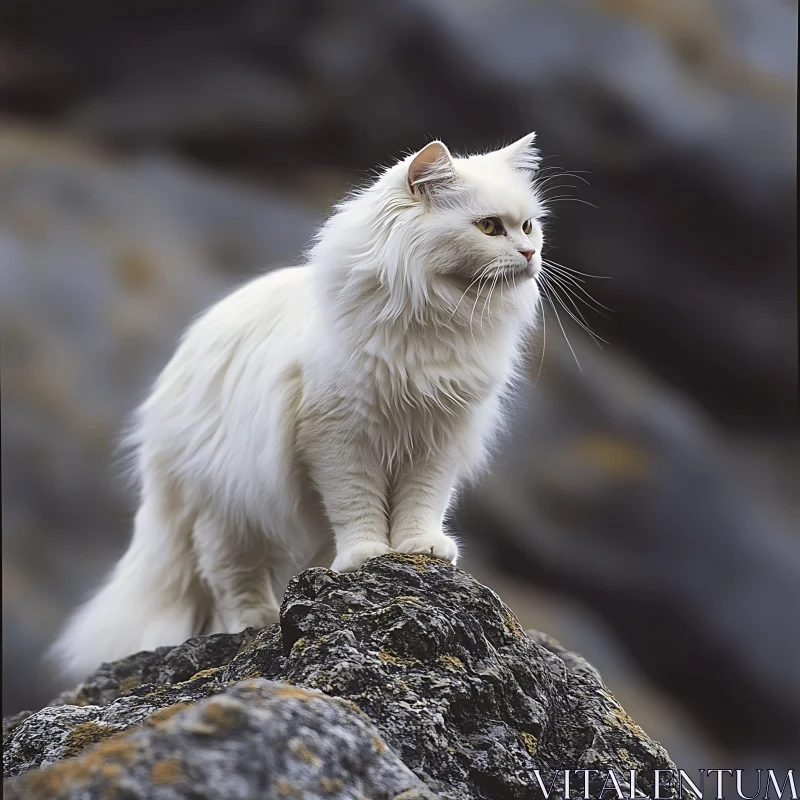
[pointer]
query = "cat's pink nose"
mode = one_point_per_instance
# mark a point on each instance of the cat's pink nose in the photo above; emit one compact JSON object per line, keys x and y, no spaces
{"x":529,"y":254}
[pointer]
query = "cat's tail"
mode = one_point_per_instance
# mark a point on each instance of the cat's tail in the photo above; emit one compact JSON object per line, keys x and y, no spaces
{"x":152,"y":598}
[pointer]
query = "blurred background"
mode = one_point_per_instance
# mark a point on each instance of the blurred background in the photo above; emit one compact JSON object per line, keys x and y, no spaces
{"x":644,"y":509}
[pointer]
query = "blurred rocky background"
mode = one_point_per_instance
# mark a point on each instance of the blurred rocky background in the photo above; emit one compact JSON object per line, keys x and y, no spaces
{"x":644,"y":508}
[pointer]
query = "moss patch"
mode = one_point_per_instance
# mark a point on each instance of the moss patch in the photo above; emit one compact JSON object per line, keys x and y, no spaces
{"x":163,"y":714}
{"x":166,"y":771}
{"x":131,"y":682}
{"x":86,"y":735}
{"x":107,"y":760}
{"x":451,"y":662}
{"x":530,"y":741}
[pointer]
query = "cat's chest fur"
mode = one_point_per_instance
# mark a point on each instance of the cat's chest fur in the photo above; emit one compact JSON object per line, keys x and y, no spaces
{"x":414,"y":390}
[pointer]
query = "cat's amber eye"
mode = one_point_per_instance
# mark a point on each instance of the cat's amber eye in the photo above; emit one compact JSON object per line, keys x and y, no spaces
{"x":491,"y":226}
{"x":527,"y":226}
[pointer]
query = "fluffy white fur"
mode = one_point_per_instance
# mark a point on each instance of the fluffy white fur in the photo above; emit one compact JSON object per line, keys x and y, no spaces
{"x":342,"y":400}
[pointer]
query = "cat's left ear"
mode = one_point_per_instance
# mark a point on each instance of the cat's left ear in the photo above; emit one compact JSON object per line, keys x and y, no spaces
{"x":522,"y":154}
{"x":432,"y":166}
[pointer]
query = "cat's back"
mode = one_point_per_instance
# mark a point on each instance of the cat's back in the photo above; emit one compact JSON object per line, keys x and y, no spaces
{"x":269,"y":313}
{"x":280,"y":297}
{"x":227,"y":394}
{"x":239,"y":348}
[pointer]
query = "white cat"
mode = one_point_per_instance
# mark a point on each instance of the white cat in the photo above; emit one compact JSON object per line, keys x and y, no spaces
{"x":342,"y":400}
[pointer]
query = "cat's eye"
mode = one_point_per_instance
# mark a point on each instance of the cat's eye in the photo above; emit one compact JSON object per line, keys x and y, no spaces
{"x":491,"y":226}
{"x":527,"y":226}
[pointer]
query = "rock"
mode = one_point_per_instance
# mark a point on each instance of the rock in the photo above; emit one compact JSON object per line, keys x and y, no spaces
{"x":431,"y":689}
{"x":257,"y":739}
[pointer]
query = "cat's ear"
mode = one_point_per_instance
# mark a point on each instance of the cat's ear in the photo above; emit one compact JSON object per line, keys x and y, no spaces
{"x":522,"y":154}
{"x":431,"y":167}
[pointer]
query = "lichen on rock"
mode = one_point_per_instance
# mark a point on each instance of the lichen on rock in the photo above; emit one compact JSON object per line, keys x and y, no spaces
{"x":407,"y":678}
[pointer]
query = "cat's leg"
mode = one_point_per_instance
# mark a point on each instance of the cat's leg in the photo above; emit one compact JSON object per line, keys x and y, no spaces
{"x":214,"y":624}
{"x":421,"y":495}
{"x":353,"y":487}
{"x":236,"y":566}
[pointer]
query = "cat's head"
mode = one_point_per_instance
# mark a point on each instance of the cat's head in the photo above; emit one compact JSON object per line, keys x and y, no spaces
{"x":434,"y":226}
{"x":479,"y":215}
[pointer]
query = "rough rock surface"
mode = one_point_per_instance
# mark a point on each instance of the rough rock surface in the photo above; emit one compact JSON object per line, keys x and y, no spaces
{"x":441,"y":694}
{"x":257,"y":739}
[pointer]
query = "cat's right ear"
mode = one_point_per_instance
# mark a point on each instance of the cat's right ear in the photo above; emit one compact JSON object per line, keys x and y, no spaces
{"x":431,"y":167}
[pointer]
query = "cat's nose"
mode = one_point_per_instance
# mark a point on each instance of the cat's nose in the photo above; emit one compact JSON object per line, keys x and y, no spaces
{"x":529,"y":254}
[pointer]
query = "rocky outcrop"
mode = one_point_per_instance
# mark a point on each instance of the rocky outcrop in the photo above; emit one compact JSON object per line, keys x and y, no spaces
{"x":407,"y":679}
{"x":256,"y":739}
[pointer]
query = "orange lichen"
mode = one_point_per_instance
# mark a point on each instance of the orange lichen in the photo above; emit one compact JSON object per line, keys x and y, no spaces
{"x":295,"y":692}
{"x":222,"y":714}
{"x":620,"y":719}
{"x":131,"y":682}
{"x":512,"y":623}
{"x":304,"y":752}
{"x":530,"y":741}
{"x":85,"y":735}
{"x":285,"y":789}
{"x":166,"y":771}
{"x":331,"y":785}
{"x":163,"y":714}
{"x":451,"y":662}
{"x":106,"y":760}
{"x":204,"y":673}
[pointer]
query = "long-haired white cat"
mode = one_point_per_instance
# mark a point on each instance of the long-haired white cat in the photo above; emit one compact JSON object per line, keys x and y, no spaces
{"x":340,"y":401}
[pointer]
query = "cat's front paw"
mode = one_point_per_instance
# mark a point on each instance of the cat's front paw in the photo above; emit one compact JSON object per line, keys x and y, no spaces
{"x":351,"y":559}
{"x":437,"y":545}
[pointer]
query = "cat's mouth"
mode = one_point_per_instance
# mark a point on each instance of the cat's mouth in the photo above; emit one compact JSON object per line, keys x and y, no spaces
{"x":516,"y":272}
{"x":511,"y":273}
{"x":526,"y":271}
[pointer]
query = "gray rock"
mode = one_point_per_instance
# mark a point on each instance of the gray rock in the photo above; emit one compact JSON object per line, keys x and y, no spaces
{"x":455,"y":689}
{"x":162,"y":667}
{"x":256,"y":739}
{"x":12,"y":721}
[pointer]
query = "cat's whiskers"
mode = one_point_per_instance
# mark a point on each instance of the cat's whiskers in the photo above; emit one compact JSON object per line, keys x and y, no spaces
{"x":566,"y":198}
{"x":561,"y":277}
{"x":481,"y":274}
{"x":544,"y":338}
{"x":471,"y":330}
{"x":489,"y":298}
{"x":582,"y":321}
{"x":572,"y":296}
{"x":540,"y":183}
{"x":574,"y":271}
{"x":546,"y":285}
